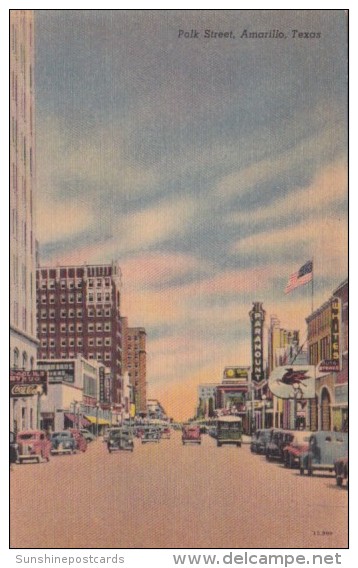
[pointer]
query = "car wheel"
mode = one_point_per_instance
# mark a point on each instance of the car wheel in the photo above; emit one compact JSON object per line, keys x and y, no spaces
{"x":219,"y":444}
{"x":239,"y":445}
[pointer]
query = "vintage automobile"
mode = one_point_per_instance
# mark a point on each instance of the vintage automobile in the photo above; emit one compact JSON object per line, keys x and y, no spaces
{"x":63,"y":442}
{"x":165,"y":433}
{"x":324,"y":448}
{"x":81,"y":442}
{"x":190,"y":434}
{"x":120,"y":439}
{"x":14,"y":449}
{"x":33,"y":445}
{"x":298,"y":446}
{"x":87,"y":434}
{"x":150,"y":435}
{"x":341,"y":471}
{"x":278,"y":441}
{"x":229,"y":430}
{"x":259,"y":440}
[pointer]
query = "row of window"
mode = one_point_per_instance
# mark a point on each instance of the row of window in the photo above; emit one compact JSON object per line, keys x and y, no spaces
{"x":74,"y":313}
{"x":71,"y":328}
{"x":23,"y":360}
{"x":72,"y":355}
{"x":99,"y":342}
{"x":71,"y":284}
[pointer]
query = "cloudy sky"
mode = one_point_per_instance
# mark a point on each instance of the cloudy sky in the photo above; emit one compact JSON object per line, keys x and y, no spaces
{"x":211,"y":168}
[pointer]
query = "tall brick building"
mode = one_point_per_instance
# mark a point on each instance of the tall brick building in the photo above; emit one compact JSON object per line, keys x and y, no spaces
{"x":78,"y":312}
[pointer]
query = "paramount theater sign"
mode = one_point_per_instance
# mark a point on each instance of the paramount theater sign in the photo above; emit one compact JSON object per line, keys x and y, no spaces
{"x":257,"y":316}
{"x":27,"y":383}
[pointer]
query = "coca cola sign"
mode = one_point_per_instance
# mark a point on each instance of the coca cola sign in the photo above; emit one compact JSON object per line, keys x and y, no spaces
{"x":27,"y":383}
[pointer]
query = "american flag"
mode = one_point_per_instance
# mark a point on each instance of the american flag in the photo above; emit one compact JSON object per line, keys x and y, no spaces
{"x":301,"y":277}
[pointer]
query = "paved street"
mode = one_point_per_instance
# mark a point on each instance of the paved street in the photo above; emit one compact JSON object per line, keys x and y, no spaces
{"x":169,"y":496}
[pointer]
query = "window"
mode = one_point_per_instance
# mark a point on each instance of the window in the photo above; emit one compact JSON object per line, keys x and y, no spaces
{"x":107,"y":297}
{"x":52,"y":314}
{"x":107,"y":326}
{"x":107,"y":312}
{"x":91,"y":342}
{"x":79,"y":284}
{"x":43,"y":285}
{"x":63,"y":356}
{"x":99,"y":326}
{"x":90,"y":327}
{"x":90,"y":312}
{"x":99,"y":297}
{"x":52,"y":343}
{"x":79,"y":313}
{"x":43,"y":299}
{"x":99,"y":282}
{"x":71,"y":313}
{"x":71,"y":298}
{"x":52,"y":299}
{"x":99,"y":312}
{"x":99,"y":357}
{"x":63,"y":284}
{"x":63,"y":313}
{"x":63,"y":328}
{"x":79,"y":298}
{"x":107,"y":356}
{"x":90,"y":297}
{"x":90,"y":356}
{"x":52,"y":328}
{"x":71,"y":354}
{"x":79,"y":342}
{"x":71,"y":284}
{"x":44,"y":342}
{"x":99,"y":341}
{"x":63,"y":298}
{"x":43,"y":314}
{"x":63,"y":343}
{"x":51,"y":284}
{"x":107,"y":282}
{"x":43,"y":328}
{"x":90,"y":283}
{"x":107,"y":341}
{"x":71,"y":328}
{"x":79,"y":328}
{"x":71,"y":342}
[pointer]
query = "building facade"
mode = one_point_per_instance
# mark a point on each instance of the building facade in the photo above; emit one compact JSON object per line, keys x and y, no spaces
{"x":327,"y":336}
{"x":137,"y":366}
{"x":23,"y":341}
{"x":78,"y":313}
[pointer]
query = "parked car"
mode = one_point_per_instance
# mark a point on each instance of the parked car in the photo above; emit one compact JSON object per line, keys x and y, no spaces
{"x":63,"y":443}
{"x":341,"y":471}
{"x":150,"y":435}
{"x":229,"y":430}
{"x":298,"y":446}
{"x":14,"y":449}
{"x":324,"y":448}
{"x":81,"y":442}
{"x":165,"y":433}
{"x":191,"y":434}
{"x":120,"y":439}
{"x":33,"y":445}
{"x":278,"y":441}
{"x":259,"y":440}
{"x":87,"y":434}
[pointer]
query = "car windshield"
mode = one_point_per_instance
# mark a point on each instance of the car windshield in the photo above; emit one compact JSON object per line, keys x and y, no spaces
{"x":28,"y":436}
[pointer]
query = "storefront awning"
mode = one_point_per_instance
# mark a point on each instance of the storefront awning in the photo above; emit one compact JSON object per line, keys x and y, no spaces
{"x":99,"y":421}
{"x":74,"y":419}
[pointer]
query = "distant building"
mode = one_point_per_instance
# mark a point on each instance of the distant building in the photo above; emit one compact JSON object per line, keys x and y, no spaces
{"x":206,"y":400}
{"x":155,"y":409}
{"x":137,"y":366}
{"x":23,"y":341}
{"x":78,"y":313}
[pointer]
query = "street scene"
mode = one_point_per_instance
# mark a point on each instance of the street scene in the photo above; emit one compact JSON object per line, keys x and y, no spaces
{"x":179,"y":295}
{"x":170,"y":495}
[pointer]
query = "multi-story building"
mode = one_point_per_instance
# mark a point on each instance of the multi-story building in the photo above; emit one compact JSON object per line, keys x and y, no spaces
{"x":78,"y":313}
{"x":327,"y":336}
{"x":23,"y":341}
{"x":206,"y":400}
{"x":137,"y":366}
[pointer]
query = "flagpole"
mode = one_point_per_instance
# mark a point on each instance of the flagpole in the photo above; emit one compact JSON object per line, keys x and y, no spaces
{"x":312,"y":288}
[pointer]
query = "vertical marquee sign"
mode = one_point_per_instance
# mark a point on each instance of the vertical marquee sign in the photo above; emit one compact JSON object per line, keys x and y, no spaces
{"x":257,"y":316}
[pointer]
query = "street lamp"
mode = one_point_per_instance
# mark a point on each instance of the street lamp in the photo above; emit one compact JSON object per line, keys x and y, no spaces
{"x":97,"y":410}
{"x":263,"y":398}
{"x":297,"y":393}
